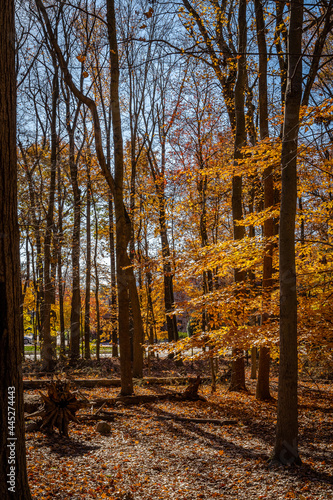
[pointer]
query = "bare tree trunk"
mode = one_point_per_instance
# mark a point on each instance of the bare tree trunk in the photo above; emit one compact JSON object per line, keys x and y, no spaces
{"x":98,"y":319}
{"x":253,"y":362}
{"x":262,"y":390}
{"x":123,"y":225}
{"x":13,"y":476}
{"x":169,"y":300}
{"x":76,"y":301}
{"x":113,"y":283}
{"x":47,"y":349}
{"x":123,"y":229}
{"x":39,"y":274}
{"x":138,"y":326}
{"x":88,"y":272}
{"x":286,"y":443}
{"x":133,"y":292}
{"x":237,"y":367}
{"x":61,"y":285}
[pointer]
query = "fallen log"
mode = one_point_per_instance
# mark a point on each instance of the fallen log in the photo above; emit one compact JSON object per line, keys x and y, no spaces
{"x":123,"y":400}
{"x":34,"y":401}
{"x":133,"y":400}
{"x":94,"y":418}
{"x":195,"y":420}
{"x":113,"y":382}
{"x":89,"y":383}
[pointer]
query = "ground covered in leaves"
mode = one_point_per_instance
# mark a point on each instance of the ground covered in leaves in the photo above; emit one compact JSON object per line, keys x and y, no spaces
{"x":147,"y":458}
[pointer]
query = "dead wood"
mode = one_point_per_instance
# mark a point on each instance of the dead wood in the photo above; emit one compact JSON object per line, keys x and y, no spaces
{"x":191,"y":391}
{"x":60,"y":406}
{"x":113,"y":382}
{"x":190,"y":394}
{"x":134,"y":400}
{"x":89,"y":418}
{"x":197,"y":420}
{"x":39,"y":413}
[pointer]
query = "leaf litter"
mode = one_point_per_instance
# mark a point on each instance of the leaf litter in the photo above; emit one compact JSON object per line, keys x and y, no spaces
{"x":146,"y":458}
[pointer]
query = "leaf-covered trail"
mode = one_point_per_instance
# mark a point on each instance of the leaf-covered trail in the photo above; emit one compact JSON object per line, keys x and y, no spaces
{"x":147,"y":458}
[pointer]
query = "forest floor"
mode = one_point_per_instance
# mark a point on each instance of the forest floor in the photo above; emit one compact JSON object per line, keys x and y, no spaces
{"x":146,"y":458}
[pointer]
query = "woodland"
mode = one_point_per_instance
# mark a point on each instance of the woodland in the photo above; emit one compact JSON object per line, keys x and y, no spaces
{"x":166,"y":233}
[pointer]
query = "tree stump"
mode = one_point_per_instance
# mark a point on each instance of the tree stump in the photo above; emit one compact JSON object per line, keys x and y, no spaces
{"x":60,"y":406}
{"x":191,"y":391}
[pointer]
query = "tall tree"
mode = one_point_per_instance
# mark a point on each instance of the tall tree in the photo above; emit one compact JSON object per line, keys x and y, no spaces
{"x":123,"y":229}
{"x":13,"y":476}
{"x":262,"y":390}
{"x":286,"y":443}
{"x":88,"y":266}
{"x":47,"y":351}
{"x":238,"y":372}
{"x":123,"y":225}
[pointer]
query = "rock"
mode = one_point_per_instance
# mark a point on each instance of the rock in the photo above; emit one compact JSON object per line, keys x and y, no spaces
{"x":103,"y":428}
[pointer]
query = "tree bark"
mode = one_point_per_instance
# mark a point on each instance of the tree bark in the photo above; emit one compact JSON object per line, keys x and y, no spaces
{"x":169,"y":299}
{"x":262,"y":390}
{"x":123,"y":225}
{"x":76,"y":300}
{"x":88,"y":272}
{"x":253,"y":362}
{"x":98,"y":319}
{"x":12,"y":449}
{"x":59,"y":239}
{"x":47,"y":349}
{"x":286,"y":442}
{"x":237,"y":367}
{"x":123,"y":230}
{"x":113,"y":282}
{"x":138,"y":326}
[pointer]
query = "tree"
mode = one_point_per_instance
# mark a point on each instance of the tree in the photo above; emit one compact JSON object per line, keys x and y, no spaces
{"x":286,"y":442}
{"x":88,"y":263}
{"x":47,"y":351}
{"x":262,"y":390}
{"x":13,"y":476}
{"x":238,"y":372}
{"x":123,"y":229}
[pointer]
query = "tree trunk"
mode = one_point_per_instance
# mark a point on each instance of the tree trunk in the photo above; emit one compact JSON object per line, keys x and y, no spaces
{"x":98,"y":319}
{"x":47,"y":349}
{"x":253,"y":362}
{"x":76,"y":300}
{"x":123,"y":230}
{"x":237,"y":368}
{"x":39,"y":274}
{"x":286,"y":443}
{"x":123,"y":225}
{"x":138,"y":326}
{"x":13,"y":476}
{"x":262,"y":390}
{"x":133,"y":291}
{"x":59,"y":265}
{"x":113,"y":283}
{"x":169,"y":300}
{"x":88,"y":272}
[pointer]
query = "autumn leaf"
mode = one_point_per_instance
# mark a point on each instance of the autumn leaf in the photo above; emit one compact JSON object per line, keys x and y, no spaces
{"x":149,"y":13}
